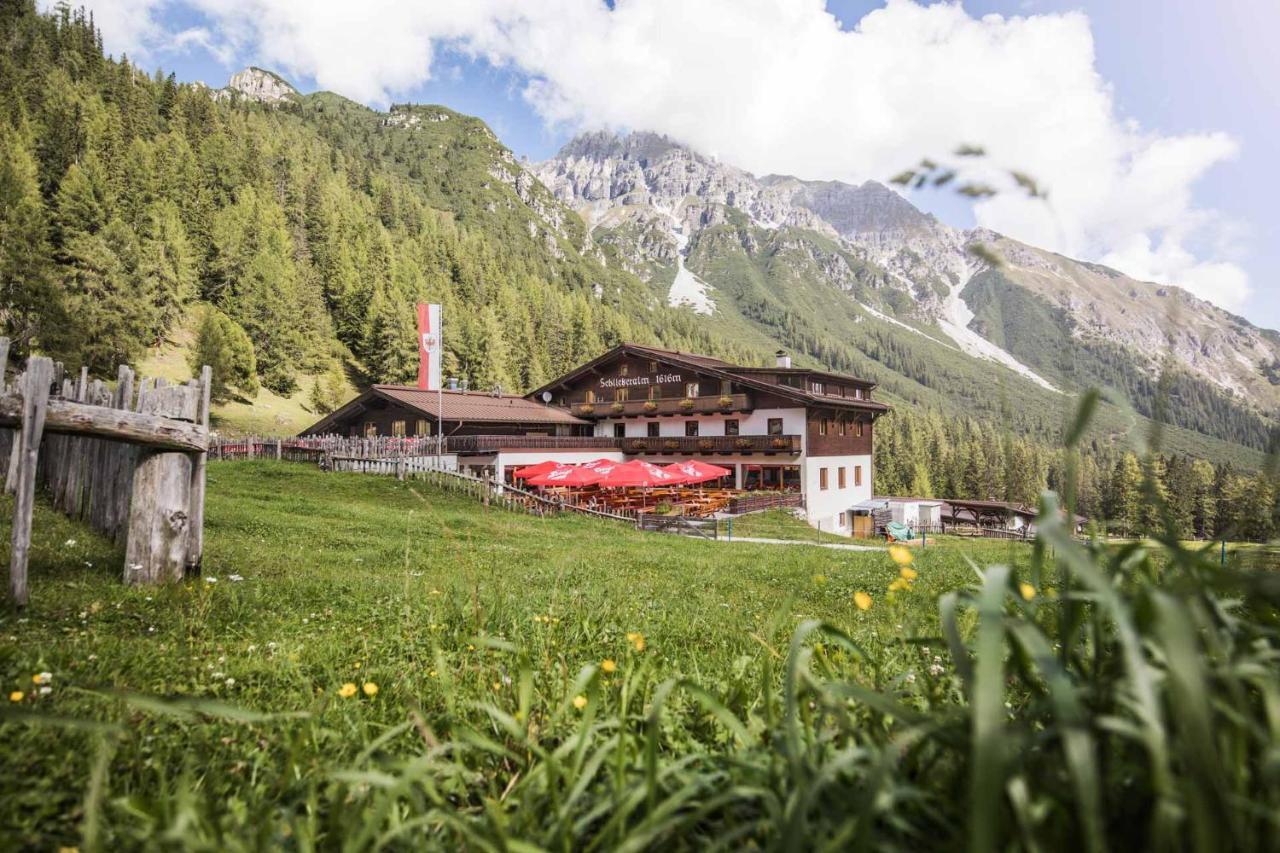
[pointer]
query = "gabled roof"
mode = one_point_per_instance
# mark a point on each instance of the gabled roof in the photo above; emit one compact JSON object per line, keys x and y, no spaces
{"x":470,"y":406}
{"x":716,"y":367}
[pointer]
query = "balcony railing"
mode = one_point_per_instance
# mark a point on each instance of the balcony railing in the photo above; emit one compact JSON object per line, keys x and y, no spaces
{"x":720,"y":403}
{"x":713,"y":444}
{"x":666,"y":444}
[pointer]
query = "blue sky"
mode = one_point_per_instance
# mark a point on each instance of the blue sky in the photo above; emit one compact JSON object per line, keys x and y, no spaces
{"x":1187,"y":89}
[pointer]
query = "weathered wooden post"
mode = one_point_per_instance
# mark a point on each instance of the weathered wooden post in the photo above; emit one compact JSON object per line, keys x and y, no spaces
{"x":199,"y":463}
{"x":160,"y":513}
{"x":35,"y":400}
{"x":278,"y":449}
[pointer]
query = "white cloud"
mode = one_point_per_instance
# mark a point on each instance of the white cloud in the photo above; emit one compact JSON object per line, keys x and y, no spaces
{"x":778,"y":86}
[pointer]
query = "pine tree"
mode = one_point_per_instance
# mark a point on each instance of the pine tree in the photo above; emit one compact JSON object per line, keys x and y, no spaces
{"x":226,"y":349}
{"x":28,"y":298}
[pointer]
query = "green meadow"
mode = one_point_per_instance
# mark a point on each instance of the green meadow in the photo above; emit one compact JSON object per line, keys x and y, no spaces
{"x":366,"y":663}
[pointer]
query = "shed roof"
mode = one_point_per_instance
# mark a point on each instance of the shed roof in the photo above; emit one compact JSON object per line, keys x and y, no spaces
{"x":478,"y":405}
{"x":470,"y":406}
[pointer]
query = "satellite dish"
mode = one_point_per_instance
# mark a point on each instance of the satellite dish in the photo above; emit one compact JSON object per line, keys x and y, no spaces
{"x":546,"y":396}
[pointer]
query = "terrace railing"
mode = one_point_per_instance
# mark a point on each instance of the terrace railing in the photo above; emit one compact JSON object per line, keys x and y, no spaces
{"x":495,"y":443}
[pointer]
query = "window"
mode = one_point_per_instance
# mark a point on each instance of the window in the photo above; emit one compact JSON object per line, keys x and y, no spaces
{"x":653,"y":367}
{"x":840,"y":481}
{"x":653,"y":392}
{"x":858,"y":431}
{"x":857,"y":475}
{"x":819,"y":388}
{"x":370,"y":429}
{"x":590,"y":397}
{"x":843,"y":426}
{"x":857,"y":393}
{"x":422,"y":428}
{"x":822,"y":479}
{"x":620,"y":395}
{"x":653,"y":429}
{"x":775,"y":426}
{"x":822,"y":426}
{"x":840,"y":389}
{"x":619,"y":430}
{"x":623,"y":369}
{"x":691,"y":389}
{"x":731,"y":426}
{"x":691,"y":428}
{"x":397,"y":429}
{"x":726,"y":387}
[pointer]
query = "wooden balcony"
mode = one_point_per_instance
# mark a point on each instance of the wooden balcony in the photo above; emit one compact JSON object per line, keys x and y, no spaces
{"x":712,"y":444}
{"x":717,"y":404}
{"x":671,"y":445}
{"x":494,"y":443}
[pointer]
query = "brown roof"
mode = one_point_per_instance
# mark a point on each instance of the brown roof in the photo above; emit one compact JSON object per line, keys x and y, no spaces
{"x":477,"y":405}
{"x":472,"y":406}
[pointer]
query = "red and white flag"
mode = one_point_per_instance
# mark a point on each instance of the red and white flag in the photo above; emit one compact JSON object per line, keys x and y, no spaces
{"x":429,"y":346}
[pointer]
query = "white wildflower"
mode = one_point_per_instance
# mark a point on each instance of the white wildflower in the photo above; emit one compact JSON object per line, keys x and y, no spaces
{"x":45,"y":691}
{"x":231,"y":682}
{"x":910,"y":678}
{"x":210,"y":580}
{"x":935,"y":670}
{"x":70,"y":543}
{"x":235,"y":578}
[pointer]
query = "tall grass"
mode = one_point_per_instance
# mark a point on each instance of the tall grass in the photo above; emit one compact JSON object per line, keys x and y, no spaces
{"x":1081,"y":695}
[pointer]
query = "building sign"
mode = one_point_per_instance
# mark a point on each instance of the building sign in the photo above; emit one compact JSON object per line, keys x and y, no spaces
{"x":632,"y":381}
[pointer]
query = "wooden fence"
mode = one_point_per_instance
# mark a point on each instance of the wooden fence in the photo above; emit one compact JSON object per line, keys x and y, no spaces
{"x":132,"y":468}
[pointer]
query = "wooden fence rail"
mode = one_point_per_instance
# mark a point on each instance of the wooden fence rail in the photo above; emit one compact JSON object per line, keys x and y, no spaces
{"x":131,"y":467}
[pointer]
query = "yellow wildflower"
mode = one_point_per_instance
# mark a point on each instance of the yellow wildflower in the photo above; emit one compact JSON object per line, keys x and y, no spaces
{"x":908,"y":574}
{"x":347,"y":690}
{"x":608,"y":665}
{"x":900,"y":584}
{"x":17,"y":696}
{"x":370,"y":689}
{"x":1028,"y":591}
{"x":900,"y":554}
{"x":579,"y":702}
{"x":636,"y":639}
{"x":862,"y":600}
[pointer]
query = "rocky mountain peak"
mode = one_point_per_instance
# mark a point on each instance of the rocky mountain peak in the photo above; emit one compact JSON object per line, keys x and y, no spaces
{"x":261,"y":85}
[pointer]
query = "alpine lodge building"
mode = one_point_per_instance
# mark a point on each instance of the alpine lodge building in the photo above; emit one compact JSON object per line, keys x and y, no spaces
{"x":804,"y":435}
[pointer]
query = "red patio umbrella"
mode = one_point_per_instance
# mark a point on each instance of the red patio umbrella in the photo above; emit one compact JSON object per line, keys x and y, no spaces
{"x":537,"y":469}
{"x":695,"y":471}
{"x":566,"y":476}
{"x":599,"y":463}
{"x":639,"y":473}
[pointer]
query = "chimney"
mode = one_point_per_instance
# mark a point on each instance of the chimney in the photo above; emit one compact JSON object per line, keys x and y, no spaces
{"x":453,"y":383}
{"x":782,"y":359}
{"x":464,"y":386}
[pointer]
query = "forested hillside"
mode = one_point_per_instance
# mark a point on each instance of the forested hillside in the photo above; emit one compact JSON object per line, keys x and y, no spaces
{"x":130,"y":200}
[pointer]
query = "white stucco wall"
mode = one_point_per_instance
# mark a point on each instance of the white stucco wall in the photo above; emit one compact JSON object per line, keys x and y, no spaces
{"x":827,"y":509}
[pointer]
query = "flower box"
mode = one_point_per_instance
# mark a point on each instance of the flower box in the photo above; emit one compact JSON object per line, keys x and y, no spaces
{"x":726,"y":401}
{"x":618,"y":408}
{"x":686,"y":404}
{"x":650,"y":406}
{"x":671,"y":445}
